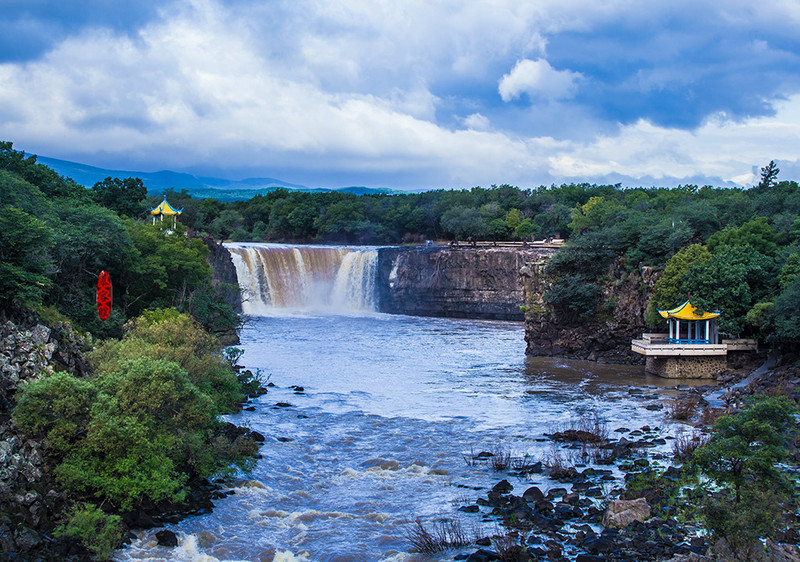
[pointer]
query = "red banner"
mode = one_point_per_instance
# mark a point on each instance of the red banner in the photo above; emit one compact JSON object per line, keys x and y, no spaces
{"x":104,"y":295}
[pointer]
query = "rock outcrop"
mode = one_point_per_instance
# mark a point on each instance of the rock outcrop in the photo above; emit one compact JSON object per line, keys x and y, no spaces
{"x":607,"y":335}
{"x":224,"y":273}
{"x":462,"y":282}
{"x":29,"y":502}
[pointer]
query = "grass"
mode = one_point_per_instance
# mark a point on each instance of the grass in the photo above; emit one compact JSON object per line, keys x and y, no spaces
{"x":686,"y":443}
{"x":558,"y":462}
{"x":682,"y":408}
{"x":501,"y":459}
{"x":444,"y":534}
{"x":509,"y":546}
{"x":588,"y":427}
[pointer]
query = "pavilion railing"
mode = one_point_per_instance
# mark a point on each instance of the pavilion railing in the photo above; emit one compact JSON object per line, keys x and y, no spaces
{"x":700,"y":341}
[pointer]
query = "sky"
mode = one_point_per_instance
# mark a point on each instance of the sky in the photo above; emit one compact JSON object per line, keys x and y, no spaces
{"x":409,"y":94}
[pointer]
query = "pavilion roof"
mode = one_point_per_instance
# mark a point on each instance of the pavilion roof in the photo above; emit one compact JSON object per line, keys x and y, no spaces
{"x":687,"y":311}
{"x":164,"y":208}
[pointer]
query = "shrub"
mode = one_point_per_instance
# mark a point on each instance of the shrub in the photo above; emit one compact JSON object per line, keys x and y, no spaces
{"x":169,"y":334}
{"x":146,"y":421}
{"x":99,"y":532}
{"x":55,"y":407}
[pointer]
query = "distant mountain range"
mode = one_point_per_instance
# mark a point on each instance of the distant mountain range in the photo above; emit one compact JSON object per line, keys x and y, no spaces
{"x":198,"y":186}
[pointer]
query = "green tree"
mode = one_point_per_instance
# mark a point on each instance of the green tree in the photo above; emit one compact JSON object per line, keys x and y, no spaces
{"x":25,"y":242}
{"x":785,"y":316}
{"x":514,"y":218}
{"x":597,"y":212}
{"x":497,"y":229}
{"x":733,"y":280}
{"x":668,"y":290}
{"x":463,"y":222}
{"x":756,"y":233}
{"x":124,"y":196}
{"x":526,"y":229}
{"x":769,"y":175}
{"x":789,"y":272}
{"x":742,"y":457}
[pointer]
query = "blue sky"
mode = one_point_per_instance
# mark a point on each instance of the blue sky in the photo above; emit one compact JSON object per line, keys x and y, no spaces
{"x":410,"y":95}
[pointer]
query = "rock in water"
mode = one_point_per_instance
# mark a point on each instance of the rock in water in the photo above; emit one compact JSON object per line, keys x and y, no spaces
{"x":621,"y":513}
{"x":166,"y":538}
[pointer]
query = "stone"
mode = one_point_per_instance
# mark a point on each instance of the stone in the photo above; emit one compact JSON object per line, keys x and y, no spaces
{"x":596,"y":545}
{"x":502,"y":487}
{"x":483,"y":555}
{"x":532,"y":495}
{"x":166,"y":538}
{"x":556,"y":493}
{"x":621,"y":513}
{"x":775,"y":552}
{"x":547,"y":523}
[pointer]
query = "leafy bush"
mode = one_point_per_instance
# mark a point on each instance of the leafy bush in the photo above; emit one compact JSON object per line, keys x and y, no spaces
{"x":146,"y":421}
{"x":98,"y":531}
{"x":573,"y":297}
{"x":169,"y":334}
{"x":57,"y":408}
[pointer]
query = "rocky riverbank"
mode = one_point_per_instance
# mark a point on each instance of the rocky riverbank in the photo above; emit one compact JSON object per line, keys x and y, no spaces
{"x":607,"y":335}
{"x":611,"y":495}
{"x":32,"y":504}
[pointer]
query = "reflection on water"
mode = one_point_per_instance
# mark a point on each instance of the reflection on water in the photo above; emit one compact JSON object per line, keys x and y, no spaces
{"x":391,"y":406}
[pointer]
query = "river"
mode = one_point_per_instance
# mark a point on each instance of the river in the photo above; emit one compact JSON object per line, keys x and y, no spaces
{"x":390,"y":407}
{"x":390,"y":411}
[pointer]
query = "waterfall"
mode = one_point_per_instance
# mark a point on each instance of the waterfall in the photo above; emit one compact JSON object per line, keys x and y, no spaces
{"x":310,"y":278}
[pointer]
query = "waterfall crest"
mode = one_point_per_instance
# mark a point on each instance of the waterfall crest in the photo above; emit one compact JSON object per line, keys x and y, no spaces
{"x":275,"y":277}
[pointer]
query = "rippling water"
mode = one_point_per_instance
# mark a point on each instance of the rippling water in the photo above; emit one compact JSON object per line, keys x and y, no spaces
{"x":391,"y":406}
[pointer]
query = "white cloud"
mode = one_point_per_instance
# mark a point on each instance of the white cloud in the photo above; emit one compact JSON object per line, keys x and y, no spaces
{"x":720,"y":148}
{"x":539,"y":80}
{"x":477,"y":122}
{"x":209,"y":87}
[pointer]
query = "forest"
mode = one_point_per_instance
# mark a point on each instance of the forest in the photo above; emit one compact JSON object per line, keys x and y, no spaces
{"x":731,"y":249}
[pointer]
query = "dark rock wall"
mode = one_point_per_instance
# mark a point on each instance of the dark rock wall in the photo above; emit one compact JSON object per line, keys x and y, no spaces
{"x":462,"y":283}
{"x":605,"y":337}
{"x":29,"y":502}
{"x":224,"y":273}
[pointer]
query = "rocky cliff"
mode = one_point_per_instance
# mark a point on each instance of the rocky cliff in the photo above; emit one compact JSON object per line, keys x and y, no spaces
{"x":29,"y":500}
{"x":460,"y":282}
{"x":224,"y":273}
{"x":605,"y":337}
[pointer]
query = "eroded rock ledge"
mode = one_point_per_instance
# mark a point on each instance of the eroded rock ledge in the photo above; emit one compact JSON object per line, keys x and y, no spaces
{"x":462,"y":282}
{"x":606,"y":337}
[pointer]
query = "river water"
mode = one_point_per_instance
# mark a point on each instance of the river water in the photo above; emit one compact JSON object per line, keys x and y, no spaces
{"x":390,"y":408}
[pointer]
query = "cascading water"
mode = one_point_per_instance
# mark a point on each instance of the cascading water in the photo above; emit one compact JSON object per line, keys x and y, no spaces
{"x":313,"y":278}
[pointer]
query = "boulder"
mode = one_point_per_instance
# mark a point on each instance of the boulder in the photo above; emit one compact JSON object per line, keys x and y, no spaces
{"x":533,"y":495}
{"x":166,"y":538}
{"x":621,"y":513}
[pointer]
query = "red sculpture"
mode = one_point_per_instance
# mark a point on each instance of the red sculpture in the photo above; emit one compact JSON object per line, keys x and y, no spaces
{"x":104,"y":295}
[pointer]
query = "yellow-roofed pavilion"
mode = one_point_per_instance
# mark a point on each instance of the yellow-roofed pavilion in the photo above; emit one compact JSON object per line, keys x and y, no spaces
{"x":698,"y":326}
{"x":164,"y":209}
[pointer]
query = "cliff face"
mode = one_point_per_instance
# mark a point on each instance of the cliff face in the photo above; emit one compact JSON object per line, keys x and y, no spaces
{"x":29,"y":502}
{"x":224,"y":273}
{"x":607,"y":336}
{"x":461,"y":283}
